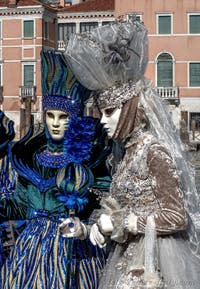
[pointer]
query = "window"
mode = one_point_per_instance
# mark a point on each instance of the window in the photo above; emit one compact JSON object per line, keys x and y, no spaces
{"x":28,"y":75}
{"x":134,"y":16}
{"x":194,"y":74}
{"x":164,"y":24}
{"x":164,"y":70}
{"x":46,"y":30}
{"x":88,"y":26}
{"x":106,"y":22}
{"x":28,"y":28}
{"x":65,"y":30}
{"x":194,"y":120}
{"x":194,"y":24}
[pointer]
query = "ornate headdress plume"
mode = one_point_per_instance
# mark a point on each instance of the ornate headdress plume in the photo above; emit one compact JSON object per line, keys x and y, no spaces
{"x":60,"y":88}
{"x":111,"y":58}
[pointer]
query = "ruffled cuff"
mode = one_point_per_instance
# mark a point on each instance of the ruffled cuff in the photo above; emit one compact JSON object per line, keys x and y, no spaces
{"x":123,"y":225}
{"x":119,"y":233}
{"x":85,"y":232}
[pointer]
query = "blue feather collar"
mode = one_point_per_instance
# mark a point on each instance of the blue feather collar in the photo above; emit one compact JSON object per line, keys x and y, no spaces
{"x":77,"y":145}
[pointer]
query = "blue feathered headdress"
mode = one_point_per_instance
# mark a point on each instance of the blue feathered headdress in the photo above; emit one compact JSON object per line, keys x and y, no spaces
{"x":60,"y":89}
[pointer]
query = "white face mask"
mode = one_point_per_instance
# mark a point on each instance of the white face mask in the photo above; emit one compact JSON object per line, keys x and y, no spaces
{"x":110,"y":119}
{"x":56,"y":121}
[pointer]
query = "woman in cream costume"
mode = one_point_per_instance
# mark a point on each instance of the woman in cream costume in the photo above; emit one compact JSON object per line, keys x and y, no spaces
{"x":151,"y":212}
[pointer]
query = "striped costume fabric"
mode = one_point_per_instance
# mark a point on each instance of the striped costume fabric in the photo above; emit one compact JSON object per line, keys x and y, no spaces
{"x":42,"y":258}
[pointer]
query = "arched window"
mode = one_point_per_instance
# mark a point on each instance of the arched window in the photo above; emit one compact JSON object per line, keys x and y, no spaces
{"x":164,"y":70}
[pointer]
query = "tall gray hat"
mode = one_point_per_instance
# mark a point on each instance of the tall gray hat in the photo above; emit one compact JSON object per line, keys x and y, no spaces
{"x":109,"y":54}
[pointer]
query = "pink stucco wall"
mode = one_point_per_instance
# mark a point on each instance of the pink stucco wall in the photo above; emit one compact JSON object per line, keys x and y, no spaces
{"x":182,"y":46}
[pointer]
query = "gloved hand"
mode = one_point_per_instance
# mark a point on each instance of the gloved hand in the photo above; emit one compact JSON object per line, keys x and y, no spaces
{"x":110,"y":205}
{"x":96,"y":238}
{"x":73,"y":228}
{"x":105,"y":224}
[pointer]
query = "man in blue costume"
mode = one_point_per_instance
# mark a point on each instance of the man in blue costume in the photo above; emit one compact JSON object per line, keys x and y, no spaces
{"x":6,"y":136}
{"x":6,"y":133}
{"x":61,"y":168}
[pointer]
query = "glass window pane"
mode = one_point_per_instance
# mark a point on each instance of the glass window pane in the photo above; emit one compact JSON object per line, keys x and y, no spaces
{"x":106,"y":22}
{"x":28,"y":28}
{"x":194,"y":74}
{"x":28,"y":75}
{"x":194,"y":23}
{"x":134,"y":16}
{"x":66,"y":30}
{"x":88,"y":26}
{"x":164,"y":24}
{"x":60,"y":32}
{"x":195,"y":120}
{"x":165,"y":70}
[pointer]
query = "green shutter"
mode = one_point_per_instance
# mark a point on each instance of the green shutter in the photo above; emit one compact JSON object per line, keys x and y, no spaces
{"x":164,"y":24}
{"x":28,"y":28}
{"x":165,"y":71}
{"x":28,"y":75}
{"x":194,"y":74}
{"x":194,"y":23}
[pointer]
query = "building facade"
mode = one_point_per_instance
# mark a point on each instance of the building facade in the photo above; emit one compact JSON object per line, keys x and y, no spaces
{"x":82,"y":17}
{"x":25,"y":28}
{"x":174,"y":58}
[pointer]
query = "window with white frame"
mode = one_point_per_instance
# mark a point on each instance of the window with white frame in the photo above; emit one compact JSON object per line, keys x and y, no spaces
{"x":164,"y":24}
{"x":28,"y":28}
{"x":46,"y":29}
{"x":164,"y":70}
{"x":194,"y":74}
{"x":194,"y":120}
{"x":194,"y":24}
{"x":88,"y":26}
{"x":134,"y":16}
{"x":65,"y":30}
{"x":28,"y":74}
